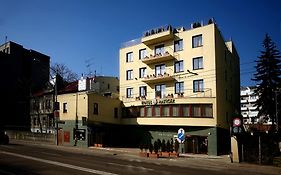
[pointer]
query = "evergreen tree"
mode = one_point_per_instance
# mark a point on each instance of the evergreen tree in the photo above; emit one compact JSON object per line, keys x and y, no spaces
{"x":268,"y":78}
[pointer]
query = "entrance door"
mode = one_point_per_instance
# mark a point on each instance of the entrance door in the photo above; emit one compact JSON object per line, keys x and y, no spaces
{"x":60,"y":137}
{"x":196,"y":145}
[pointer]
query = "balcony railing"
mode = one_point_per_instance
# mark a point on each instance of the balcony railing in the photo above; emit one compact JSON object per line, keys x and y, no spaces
{"x":187,"y":93}
{"x":152,"y":78}
{"x":158,"y":58}
{"x":157,"y":35}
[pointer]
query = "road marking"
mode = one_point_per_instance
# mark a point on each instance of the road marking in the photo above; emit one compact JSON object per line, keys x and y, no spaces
{"x":59,"y":164}
{"x":131,"y":166}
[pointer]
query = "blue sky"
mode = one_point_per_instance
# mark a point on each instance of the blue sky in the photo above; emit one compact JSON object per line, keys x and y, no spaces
{"x":74,"y":31}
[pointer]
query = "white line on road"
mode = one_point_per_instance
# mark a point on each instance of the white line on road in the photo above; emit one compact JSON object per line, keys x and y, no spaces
{"x":59,"y":164}
{"x":131,"y":166}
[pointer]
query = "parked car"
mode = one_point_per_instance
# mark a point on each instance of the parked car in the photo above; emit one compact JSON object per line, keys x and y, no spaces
{"x":4,"y":138}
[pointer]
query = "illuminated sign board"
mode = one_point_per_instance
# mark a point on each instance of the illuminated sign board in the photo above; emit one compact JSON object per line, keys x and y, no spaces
{"x":158,"y":101}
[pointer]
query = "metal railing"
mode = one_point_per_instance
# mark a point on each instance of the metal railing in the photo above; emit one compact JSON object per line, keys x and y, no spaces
{"x":187,"y":93}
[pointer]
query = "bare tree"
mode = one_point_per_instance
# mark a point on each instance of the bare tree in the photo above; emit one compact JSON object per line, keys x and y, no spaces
{"x":67,"y":74}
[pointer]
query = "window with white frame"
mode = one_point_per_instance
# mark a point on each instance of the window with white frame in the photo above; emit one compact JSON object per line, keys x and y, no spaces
{"x":129,"y":74}
{"x":198,"y":85}
{"x":129,"y":57}
{"x":159,"y":49}
{"x":142,"y":54}
{"x":160,"y":69}
{"x":129,"y":92}
{"x":143,"y":91}
{"x":178,"y":45}
{"x":142,"y":72}
{"x":197,"y":63}
{"x":179,"y":66}
{"x":179,"y":87}
{"x":160,"y":90}
{"x":197,"y":41}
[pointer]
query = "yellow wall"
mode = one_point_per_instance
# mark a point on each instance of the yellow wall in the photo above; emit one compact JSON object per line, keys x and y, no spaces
{"x":76,"y":103}
{"x":82,"y":102}
{"x":106,"y":109}
{"x":212,"y":74}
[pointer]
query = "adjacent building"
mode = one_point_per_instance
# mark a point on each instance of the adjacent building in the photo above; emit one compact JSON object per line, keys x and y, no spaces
{"x":174,"y":78}
{"x":23,"y":71}
{"x":88,"y":109}
{"x":249,"y":110}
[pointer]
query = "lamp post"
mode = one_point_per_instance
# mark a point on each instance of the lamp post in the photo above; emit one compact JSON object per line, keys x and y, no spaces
{"x":56,"y":112}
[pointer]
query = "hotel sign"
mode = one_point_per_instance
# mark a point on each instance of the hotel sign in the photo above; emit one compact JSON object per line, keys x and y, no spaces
{"x":158,"y":101}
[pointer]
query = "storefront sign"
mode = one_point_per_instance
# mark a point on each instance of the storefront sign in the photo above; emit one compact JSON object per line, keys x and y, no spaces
{"x":158,"y":101}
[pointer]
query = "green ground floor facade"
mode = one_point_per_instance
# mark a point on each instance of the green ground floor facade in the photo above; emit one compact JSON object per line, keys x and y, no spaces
{"x":202,"y":140}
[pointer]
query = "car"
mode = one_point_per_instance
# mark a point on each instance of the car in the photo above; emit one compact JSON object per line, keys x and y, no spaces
{"x":4,"y":138}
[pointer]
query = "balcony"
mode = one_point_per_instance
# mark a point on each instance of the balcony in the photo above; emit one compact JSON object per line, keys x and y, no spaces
{"x":158,"y":58}
{"x":160,"y":78}
{"x":157,"y":35}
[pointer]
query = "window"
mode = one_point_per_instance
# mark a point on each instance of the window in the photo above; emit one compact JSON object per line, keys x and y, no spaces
{"x":186,"y":110}
{"x":160,"y":69}
{"x":179,"y":87}
{"x":84,"y":121}
{"x":178,"y":66}
{"x":129,"y":74}
{"x":197,"y":41}
{"x":197,"y":63}
{"x":129,"y":92}
{"x":96,"y":109}
{"x":148,"y":111}
{"x":47,"y":104}
{"x":178,"y":45}
{"x":142,"y":112}
{"x":64,"y":107}
{"x":175,"y":110}
{"x":157,"y":111}
{"x":159,"y":49}
{"x":208,"y":111}
{"x":142,"y":54}
{"x":196,"y":111}
{"x":115,"y":112}
{"x":142,"y":72}
{"x":198,"y":86}
{"x":143,"y":91}
{"x":160,"y":90}
{"x":166,"y":111}
{"x":129,"y":57}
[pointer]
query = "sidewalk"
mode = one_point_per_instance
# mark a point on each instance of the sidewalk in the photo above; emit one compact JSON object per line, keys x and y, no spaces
{"x":215,"y":163}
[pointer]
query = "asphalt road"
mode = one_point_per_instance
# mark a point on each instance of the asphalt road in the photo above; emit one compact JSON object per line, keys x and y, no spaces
{"x":30,"y":159}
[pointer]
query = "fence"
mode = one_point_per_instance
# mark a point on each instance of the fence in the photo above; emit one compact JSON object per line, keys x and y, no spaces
{"x":29,"y":136}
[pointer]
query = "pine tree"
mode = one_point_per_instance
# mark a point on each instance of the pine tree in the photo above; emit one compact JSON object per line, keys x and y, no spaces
{"x":268,"y":78}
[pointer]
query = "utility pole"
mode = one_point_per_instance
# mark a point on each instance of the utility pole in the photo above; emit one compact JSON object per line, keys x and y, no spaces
{"x":276,"y":110}
{"x":56,"y":108}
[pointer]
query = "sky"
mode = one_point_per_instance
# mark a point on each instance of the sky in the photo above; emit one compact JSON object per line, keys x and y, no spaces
{"x":86,"y":35}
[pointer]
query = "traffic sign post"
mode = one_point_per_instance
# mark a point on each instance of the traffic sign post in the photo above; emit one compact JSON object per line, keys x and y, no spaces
{"x":181,"y":138}
{"x":181,"y":135}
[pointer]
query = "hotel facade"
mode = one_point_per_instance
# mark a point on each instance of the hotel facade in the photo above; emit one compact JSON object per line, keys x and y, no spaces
{"x":174,"y":78}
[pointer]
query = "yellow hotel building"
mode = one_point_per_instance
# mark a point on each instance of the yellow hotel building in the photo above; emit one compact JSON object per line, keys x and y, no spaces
{"x":174,"y":78}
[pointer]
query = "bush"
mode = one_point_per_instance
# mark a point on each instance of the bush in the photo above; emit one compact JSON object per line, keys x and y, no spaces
{"x":156,"y":147}
{"x":163,"y":146}
{"x":168,"y":146}
{"x":177,"y":145}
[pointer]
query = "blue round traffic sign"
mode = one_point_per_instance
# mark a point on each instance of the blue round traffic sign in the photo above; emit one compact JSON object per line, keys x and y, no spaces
{"x":181,"y":135}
